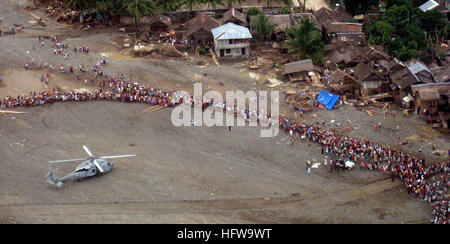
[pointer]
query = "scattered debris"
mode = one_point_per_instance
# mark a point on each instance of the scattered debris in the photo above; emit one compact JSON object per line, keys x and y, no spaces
{"x":214,"y":57}
{"x":11,"y":112}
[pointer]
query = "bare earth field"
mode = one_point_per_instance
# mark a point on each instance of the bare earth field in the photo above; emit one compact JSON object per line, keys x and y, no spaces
{"x":180,"y":174}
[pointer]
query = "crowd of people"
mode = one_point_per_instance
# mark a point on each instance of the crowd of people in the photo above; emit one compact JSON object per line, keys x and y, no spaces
{"x":411,"y":170}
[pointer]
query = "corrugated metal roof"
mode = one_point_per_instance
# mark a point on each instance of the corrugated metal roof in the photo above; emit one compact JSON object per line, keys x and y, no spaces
{"x":231,"y":31}
{"x":430,"y":5}
{"x":418,"y":67}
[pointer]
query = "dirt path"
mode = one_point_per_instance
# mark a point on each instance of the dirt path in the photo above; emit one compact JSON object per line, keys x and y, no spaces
{"x":234,"y":209}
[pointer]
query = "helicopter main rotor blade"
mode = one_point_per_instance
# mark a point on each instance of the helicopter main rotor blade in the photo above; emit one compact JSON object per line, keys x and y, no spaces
{"x":98,"y":166}
{"x":87,"y":151}
{"x":118,"y":156}
{"x":67,"y":160}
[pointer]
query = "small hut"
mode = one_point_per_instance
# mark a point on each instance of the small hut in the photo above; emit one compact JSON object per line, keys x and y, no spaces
{"x":199,"y":29}
{"x":159,"y":23}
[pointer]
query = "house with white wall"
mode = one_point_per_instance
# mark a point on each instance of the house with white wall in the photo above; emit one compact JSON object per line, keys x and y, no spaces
{"x":232,"y":41}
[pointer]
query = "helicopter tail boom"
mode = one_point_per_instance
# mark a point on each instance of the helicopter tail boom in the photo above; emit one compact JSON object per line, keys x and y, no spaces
{"x":52,"y":179}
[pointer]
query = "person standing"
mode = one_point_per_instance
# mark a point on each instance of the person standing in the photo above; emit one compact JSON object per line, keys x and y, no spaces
{"x":308,"y":167}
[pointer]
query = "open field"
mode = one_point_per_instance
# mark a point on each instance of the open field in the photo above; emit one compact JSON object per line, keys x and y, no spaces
{"x":181,"y":175}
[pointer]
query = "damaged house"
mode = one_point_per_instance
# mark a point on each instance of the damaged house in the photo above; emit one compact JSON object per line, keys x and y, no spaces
{"x":370,"y":80}
{"x":344,"y":84}
{"x":414,"y":73}
{"x":378,"y":59}
{"x":199,"y":29}
{"x":430,"y":97}
{"x":159,"y":23}
{"x":235,"y":17}
{"x":301,"y":70}
{"x":442,"y":74}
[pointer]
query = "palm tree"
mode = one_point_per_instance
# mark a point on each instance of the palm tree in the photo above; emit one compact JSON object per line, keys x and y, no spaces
{"x":169,"y":5}
{"x":139,"y":8}
{"x":261,"y":27}
{"x":306,"y":41}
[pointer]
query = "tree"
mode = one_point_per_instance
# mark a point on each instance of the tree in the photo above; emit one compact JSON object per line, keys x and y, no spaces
{"x":381,"y":32}
{"x":306,"y":41}
{"x":357,"y":7}
{"x":139,"y":8}
{"x":111,"y":7}
{"x":80,"y":4}
{"x":168,"y":5}
{"x":412,"y":3}
{"x":434,"y":22}
{"x":262,"y":28}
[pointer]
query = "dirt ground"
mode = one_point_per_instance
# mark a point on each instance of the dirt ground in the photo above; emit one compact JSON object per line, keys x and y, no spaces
{"x":180,"y":174}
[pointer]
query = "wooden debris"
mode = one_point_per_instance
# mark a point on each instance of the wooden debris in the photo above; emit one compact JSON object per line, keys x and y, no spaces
{"x":371,"y":113}
{"x":214,"y":57}
{"x":11,"y":112}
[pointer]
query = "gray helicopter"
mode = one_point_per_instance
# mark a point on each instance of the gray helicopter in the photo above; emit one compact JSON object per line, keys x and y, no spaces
{"x":90,"y":167}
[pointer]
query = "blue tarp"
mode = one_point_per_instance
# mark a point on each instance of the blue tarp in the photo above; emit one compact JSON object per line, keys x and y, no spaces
{"x":1,"y":79}
{"x":327,"y":99}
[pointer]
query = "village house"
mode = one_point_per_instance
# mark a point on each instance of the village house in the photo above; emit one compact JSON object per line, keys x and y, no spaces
{"x":421,"y":71}
{"x":301,"y":70}
{"x":379,"y":59}
{"x":199,"y":29}
{"x":298,"y":17}
{"x":371,"y":81}
{"x":393,"y":66}
{"x":429,"y":97}
{"x":337,"y":28}
{"x":442,"y":74}
{"x":232,"y":41}
{"x":235,"y":17}
{"x":159,"y":23}
{"x":414,"y":73}
{"x":349,"y":55}
{"x":344,"y":84}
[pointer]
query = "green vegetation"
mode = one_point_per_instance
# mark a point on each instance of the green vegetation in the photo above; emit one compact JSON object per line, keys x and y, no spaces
{"x":306,"y":41}
{"x":253,"y":11}
{"x":357,"y":7}
{"x":406,"y":31}
{"x":261,"y":27}
{"x":139,"y":8}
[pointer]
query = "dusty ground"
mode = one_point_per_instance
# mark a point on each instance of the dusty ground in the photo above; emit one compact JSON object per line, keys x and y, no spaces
{"x":181,"y":175}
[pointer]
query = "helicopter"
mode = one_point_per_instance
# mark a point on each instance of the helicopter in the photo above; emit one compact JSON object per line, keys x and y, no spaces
{"x":90,"y":167}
